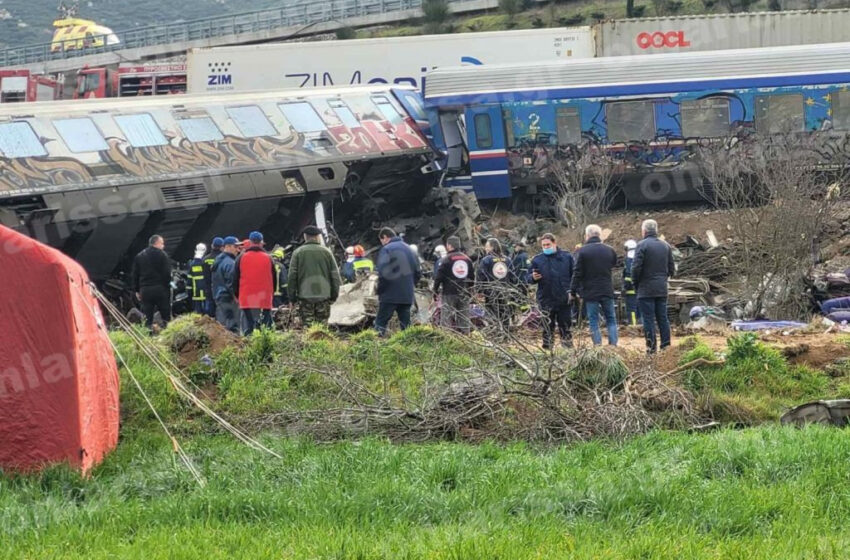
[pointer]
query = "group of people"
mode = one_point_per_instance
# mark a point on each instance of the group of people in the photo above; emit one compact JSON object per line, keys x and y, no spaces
{"x":562,"y":279}
{"x":239,"y":283}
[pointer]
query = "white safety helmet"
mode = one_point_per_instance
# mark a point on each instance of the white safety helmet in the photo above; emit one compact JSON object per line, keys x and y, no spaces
{"x":631,"y":244}
{"x":415,"y":249}
{"x":200,"y":250}
{"x":440,"y":251}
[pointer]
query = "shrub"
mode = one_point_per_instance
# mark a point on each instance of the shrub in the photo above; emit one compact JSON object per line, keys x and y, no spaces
{"x":435,"y":11}
{"x":745,"y":350}
{"x":697,"y":350}
{"x":512,"y":7}
{"x":262,"y":346}
{"x":599,"y":368}
{"x":574,"y":19}
{"x":345,"y":33}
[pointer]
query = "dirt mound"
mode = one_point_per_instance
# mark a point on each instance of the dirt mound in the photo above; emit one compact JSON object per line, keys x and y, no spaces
{"x":197,"y":336}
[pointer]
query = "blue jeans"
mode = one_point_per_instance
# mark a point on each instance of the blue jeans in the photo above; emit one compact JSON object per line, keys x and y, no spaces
{"x":385,"y":313}
{"x":652,"y":311}
{"x":606,"y":305}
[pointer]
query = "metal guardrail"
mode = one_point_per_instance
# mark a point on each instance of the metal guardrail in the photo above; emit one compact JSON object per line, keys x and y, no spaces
{"x":301,"y":14}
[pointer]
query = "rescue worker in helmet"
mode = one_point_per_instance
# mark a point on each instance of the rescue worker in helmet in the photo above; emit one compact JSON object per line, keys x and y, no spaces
{"x":348,"y":266}
{"x":440,"y":253}
{"x":198,"y":286}
{"x":493,"y":281}
{"x":362,"y":265}
{"x":632,"y":311}
{"x":281,"y":277}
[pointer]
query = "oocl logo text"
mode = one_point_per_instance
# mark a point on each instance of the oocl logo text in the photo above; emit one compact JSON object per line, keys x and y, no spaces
{"x":662,"y":39}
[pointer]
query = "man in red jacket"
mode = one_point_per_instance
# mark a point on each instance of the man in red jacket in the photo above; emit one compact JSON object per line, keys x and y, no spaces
{"x":253,"y":282}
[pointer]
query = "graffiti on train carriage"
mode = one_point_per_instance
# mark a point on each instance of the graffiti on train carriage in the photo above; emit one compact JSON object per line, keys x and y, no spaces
{"x":669,"y":130}
{"x":41,"y":159}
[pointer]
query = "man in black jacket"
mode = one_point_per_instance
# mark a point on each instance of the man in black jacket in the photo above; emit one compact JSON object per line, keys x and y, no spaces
{"x":592,"y":279}
{"x":652,"y":267}
{"x":454,"y":276}
{"x":152,"y":280}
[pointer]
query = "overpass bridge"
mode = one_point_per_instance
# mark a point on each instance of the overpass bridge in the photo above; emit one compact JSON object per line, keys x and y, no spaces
{"x":288,"y":22}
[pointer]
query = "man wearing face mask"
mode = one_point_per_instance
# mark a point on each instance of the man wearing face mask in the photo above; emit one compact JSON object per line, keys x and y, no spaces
{"x":552,"y":271}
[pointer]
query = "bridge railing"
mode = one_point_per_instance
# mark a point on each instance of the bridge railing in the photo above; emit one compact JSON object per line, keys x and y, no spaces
{"x":303,"y":13}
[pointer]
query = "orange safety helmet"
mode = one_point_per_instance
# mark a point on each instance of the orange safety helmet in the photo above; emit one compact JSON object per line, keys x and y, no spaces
{"x":359,"y":251}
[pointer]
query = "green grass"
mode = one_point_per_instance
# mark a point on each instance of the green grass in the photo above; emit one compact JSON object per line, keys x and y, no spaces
{"x":756,"y":384}
{"x":762,"y":493}
{"x":766,"y":492}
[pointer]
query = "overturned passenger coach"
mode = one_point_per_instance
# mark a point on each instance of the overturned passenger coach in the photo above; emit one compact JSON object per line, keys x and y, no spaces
{"x":97,"y":178}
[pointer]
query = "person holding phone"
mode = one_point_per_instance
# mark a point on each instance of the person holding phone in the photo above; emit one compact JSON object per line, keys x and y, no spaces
{"x":552,"y":271}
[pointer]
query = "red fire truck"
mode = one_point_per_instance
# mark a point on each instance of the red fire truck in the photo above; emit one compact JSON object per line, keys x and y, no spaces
{"x":131,"y":80}
{"x":22,"y":85}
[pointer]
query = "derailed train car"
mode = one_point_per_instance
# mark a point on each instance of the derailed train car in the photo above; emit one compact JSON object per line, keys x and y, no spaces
{"x":97,"y":178}
{"x":507,"y":129}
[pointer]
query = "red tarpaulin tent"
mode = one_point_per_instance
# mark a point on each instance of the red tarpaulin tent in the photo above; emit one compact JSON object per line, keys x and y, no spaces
{"x":58,"y":376}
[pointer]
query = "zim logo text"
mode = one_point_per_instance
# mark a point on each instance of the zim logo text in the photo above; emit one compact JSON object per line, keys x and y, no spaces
{"x":219,"y":80}
{"x":219,"y":74}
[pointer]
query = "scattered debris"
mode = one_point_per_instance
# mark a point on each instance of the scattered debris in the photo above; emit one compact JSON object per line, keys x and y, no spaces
{"x":819,"y":412}
{"x":762,"y":325}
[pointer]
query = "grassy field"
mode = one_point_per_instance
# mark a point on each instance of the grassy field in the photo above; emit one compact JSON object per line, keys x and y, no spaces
{"x":762,"y":492}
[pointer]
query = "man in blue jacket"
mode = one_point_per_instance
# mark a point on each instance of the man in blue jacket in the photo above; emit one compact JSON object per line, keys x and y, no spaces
{"x":398,"y":273}
{"x":592,"y":278}
{"x":224,"y":293}
{"x":552,"y":271}
{"x":652,"y":267}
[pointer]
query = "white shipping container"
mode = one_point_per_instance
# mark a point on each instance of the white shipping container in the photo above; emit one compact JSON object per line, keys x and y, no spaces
{"x":400,"y":60}
{"x":721,"y":31}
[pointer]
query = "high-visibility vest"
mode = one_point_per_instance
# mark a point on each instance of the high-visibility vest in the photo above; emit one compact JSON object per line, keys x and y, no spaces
{"x":363,"y":265}
{"x":278,"y":288}
{"x":196,"y":275}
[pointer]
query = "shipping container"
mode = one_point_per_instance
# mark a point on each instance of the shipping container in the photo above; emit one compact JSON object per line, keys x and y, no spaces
{"x":720,"y":32}
{"x":397,"y":60}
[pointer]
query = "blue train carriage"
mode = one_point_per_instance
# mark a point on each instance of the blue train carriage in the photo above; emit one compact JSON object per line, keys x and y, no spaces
{"x":95,"y":178}
{"x":503,"y":127}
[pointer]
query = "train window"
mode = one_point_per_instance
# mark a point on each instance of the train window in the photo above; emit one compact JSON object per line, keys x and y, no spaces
{"x":415,"y":104}
{"x":200,"y":129}
{"x":705,"y":118}
{"x":345,"y":115}
{"x":17,"y":139}
{"x":776,"y":114}
{"x":303,"y":117}
{"x":387,"y":109}
{"x":450,"y":123}
{"x":840,"y":110}
{"x":140,"y":130}
{"x":569,"y":125}
{"x":251,"y":121}
{"x":483,"y":131}
{"x":630,"y":120}
{"x":80,"y":135}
